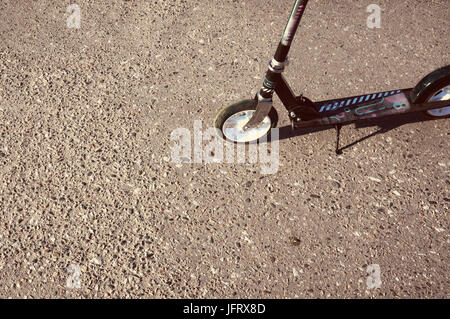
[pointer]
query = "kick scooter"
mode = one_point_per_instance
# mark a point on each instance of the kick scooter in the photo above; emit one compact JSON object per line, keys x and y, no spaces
{"x":250,"y":120}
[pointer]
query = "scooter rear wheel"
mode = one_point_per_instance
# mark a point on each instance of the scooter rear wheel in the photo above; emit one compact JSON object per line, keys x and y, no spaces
{"x":434,"y":87}
{"x":232,"y":119}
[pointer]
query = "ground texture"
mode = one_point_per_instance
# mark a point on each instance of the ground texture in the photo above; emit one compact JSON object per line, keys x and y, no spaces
{"x":88,"y":188}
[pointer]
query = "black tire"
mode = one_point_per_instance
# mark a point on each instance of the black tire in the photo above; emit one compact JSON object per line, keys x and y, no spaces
{"x":244,"y":105}
{"x":430,"y":85}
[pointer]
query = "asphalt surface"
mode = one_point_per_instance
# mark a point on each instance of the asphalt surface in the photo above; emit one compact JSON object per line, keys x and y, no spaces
{"x":86,"y":176}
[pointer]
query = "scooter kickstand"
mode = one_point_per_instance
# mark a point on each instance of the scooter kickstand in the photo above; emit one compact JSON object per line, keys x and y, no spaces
{"x":338,"y":133}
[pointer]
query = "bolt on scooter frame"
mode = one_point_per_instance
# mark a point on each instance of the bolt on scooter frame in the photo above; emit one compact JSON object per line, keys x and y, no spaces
{"x":305,"y":113}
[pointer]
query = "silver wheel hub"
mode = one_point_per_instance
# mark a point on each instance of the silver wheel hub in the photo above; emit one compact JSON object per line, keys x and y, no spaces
{"x":441,"y":95}
{"x":233,"y":127}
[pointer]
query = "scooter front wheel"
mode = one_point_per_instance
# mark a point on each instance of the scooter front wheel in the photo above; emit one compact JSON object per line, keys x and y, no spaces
{"x":232,"y":119}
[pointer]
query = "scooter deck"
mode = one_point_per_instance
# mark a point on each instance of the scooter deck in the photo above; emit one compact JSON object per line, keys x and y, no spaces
{"x":350,"y":109}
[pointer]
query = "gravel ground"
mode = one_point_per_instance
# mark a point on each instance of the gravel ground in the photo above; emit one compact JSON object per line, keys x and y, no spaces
{"x":93,"y":206}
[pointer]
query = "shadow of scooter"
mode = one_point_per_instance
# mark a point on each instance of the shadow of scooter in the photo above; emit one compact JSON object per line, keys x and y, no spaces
{"x":384,"y":124}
